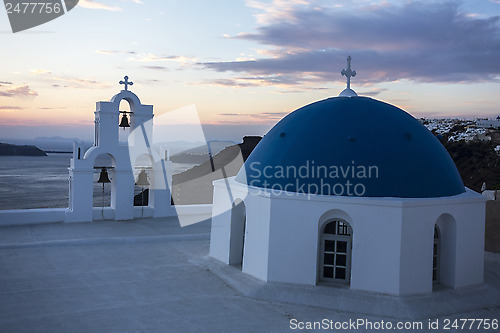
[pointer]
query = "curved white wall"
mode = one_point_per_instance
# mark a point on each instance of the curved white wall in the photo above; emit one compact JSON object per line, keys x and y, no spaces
{"x":392,"y":237}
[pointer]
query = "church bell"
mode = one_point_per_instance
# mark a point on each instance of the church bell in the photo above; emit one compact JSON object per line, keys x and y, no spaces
{"x":142,"y":179}
{"x":103,"y":177}
{"x":124,"y":122}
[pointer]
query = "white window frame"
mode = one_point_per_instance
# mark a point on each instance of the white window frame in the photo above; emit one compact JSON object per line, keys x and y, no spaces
{"x":335,"y":237}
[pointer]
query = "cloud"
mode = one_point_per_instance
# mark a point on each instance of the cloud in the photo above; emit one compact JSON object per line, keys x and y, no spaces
{"x":262,"y":117}
{"x":231,"y":83}
{"x":373,"y":92}
{"x":419,"y":41}
{"x":52,"y":108}
{"x":68,"y":82}
{"x":272,"y":79}
{"x":91,"y":4}
{"x":10,"y":108}
{"x":40,"y":71}
{"x":150,"y":57}
{"x":270,"y":115}
{"x":18,"y":91}
{"x":77,"y":83}
{"x":157,"y":68}
{"x":114,"y":52}
{"x":257,"y":81}
{"x":279,"y":10}
{"x":152,"y":81}
{"x":233,"y":114}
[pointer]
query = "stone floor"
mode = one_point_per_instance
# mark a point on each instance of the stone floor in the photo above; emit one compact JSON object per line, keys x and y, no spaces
{"x":153,"y":276}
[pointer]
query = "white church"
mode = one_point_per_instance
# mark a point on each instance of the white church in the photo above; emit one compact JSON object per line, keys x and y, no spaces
{"x":351,"y":192}
{"x":346,"y":192}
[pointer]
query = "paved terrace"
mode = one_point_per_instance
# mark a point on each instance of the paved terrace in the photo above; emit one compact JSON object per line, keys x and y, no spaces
{"x":154,"y":276}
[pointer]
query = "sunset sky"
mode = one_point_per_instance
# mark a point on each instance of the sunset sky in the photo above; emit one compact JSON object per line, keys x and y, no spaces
{"x":246,"y":64}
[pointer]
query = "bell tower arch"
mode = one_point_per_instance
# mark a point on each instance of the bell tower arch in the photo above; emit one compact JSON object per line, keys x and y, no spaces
{"x":107,"y":124}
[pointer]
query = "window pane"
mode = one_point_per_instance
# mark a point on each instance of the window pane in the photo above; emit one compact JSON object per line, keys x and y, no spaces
{"x":343,"y":229}
{"x":329,"y":245}
{"x":341,"y":260}
{"x":340,"y":273}
{"x":341,"y":247}
{"x":328,"y":259}
{"x":328,"y":272}
{"x":435,"y":248}
{"x":330,"y":228}
{"x":434,"y":275}
{"x":434,"y":262}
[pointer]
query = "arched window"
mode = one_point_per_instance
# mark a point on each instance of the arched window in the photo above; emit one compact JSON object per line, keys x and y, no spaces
{"x":436,"y":252}
{"x":238,"y":225}
{"x":445,"y":251}
{"x":335,"y":252}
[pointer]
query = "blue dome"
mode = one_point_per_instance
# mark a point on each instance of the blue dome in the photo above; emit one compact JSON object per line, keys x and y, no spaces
{"x":353,"y":146}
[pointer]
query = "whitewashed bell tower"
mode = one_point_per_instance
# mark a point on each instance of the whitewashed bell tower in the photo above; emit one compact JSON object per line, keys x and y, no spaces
{"x":123,"y":171}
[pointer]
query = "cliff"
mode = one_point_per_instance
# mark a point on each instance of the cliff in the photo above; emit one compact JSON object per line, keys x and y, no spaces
{"x":7,"y":149}
{"x":194,"y":186}
{"x":477,"y":162}
{"x":220,"y":160}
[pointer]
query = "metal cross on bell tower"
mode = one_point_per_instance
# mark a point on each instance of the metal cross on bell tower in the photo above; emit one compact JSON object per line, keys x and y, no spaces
{"x":126,"y":82}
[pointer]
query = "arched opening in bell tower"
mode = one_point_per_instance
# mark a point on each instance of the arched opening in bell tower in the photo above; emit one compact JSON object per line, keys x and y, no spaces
{"x":102,"y":189}
{"x":124,"y":121}
{"x":143,"y":179}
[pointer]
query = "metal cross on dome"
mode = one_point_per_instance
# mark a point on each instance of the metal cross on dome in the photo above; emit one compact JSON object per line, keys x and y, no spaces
{"x":126,"y":82}
{"x":348,"y":73}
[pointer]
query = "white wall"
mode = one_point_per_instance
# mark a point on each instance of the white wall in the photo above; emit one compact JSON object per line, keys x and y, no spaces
{"x":294,"y":252}
{"x":31,"y":216}
{"x":220,"y":235}
{"x":256,"y":243}
{"x":256,"y":249}
{"x":376,"y":247}
{"x":196,"y":213}
{"x":470,"y":244}
{"x":294,"y":241}
{"x":392,"y":238}
{"x":416,"y":249}
{"x":461,"y":221}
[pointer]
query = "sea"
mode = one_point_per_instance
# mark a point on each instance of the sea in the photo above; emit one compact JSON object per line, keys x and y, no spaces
{"x":28,"y":182}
